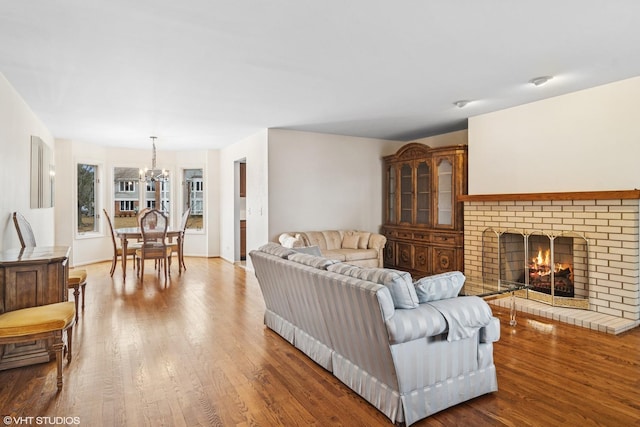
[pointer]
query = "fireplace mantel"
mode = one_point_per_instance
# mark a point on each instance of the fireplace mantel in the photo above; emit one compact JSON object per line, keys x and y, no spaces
{"x":574,"y":195}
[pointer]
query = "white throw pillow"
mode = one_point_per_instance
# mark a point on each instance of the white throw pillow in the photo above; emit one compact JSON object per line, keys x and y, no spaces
{"x":291,"y":240}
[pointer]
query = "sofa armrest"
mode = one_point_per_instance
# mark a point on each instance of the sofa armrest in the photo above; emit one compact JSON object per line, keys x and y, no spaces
{"x":377,"y":241}
{"x":490,"y":332}
{"x":415,"y":323}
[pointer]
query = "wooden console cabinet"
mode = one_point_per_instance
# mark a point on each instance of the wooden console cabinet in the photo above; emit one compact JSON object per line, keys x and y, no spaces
{"x":31,"y":277}
{"x":424,"y":217}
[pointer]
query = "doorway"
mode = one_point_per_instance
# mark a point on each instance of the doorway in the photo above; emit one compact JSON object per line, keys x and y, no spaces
{"x":240,"y":217}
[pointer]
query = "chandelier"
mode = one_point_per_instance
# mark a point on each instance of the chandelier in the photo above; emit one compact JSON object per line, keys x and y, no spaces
{"x":153,"y":174}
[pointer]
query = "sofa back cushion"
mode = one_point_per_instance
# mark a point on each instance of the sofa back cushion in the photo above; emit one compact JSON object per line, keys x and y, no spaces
{"x":330,"y":239}
{"x":276,"y":249}
{"x":312,"y":261}
{"x":363,"y":240}
{"x":399,"y":283}
{"x":310,"y":250}
{"x":439,"y":286}
{"x":350,"y":240}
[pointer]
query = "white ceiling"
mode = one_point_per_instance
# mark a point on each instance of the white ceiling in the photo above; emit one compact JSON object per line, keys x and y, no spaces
{"x":207,"y":73}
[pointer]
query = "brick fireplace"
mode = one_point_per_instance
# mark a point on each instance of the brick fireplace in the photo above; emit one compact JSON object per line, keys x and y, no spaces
{"x":608,"y":221}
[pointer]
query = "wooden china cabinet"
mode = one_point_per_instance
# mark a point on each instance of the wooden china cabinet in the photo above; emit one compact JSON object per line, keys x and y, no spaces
{"x":423,"y":214}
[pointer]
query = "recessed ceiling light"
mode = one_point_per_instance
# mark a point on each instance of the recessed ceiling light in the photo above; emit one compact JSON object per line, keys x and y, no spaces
{"x":539,"y":81}
{"x":461,"y":103}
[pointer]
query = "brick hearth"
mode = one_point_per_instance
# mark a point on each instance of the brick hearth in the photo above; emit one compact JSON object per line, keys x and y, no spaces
{"x":610,"y":222}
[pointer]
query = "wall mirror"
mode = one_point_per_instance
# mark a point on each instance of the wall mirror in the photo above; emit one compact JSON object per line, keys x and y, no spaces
{"x":42,"y":174}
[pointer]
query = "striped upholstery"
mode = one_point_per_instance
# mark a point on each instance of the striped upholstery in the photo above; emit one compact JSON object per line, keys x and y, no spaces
{"x":399,"y":282}
{"x":399,"y":360}
{"x":439,"y":286}
{"x":312,"y":260}
{"x":276,"y":249}
{"x":464,"y":315}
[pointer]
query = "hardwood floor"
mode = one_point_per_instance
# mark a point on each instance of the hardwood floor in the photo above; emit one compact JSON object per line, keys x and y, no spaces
{"x":195,"y":352}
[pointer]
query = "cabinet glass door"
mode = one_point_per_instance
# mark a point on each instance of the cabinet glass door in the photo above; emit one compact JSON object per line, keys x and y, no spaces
{"x":391,"y":195}
{"x":445,"y":192}
{"x":406,"y":193}
{"x":423,"y":194}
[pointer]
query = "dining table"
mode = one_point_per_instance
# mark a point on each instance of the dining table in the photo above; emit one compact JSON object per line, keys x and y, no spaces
{"x":127,"y":233}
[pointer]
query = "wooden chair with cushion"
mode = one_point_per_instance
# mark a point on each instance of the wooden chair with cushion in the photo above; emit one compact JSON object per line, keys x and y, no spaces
{"x":153,"y":226}
{"x":178,"y":246}
{"x":77,"y":277}
{"x":117,"y":250}
{"x":47,"y":321}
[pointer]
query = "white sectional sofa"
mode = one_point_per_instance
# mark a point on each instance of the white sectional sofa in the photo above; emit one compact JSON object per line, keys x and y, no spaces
{"x":410,"y":349}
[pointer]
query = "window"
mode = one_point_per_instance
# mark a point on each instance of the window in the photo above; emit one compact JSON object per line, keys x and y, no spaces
{"x":193,"y":198}
{"x":127,"y":206}
{"x":126,"y":186}
{"x":87,"y":184}
{"x":126,"y":197}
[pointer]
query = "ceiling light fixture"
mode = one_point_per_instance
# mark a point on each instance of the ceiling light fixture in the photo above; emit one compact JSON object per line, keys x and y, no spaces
{"x":539,"y":81}
{"x":461,"y":103}
{"x":153,"y":174}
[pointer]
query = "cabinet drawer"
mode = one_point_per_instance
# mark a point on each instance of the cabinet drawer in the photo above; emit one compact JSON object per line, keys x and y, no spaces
{"x":422,"y":236}
{"x":445,"y":239}
{"x":390,"y":233}
{"x":404,"y":234}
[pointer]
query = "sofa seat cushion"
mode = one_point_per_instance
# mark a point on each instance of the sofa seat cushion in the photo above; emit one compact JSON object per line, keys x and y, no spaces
{"x":399,"y":283}
{"x":347,"y":255}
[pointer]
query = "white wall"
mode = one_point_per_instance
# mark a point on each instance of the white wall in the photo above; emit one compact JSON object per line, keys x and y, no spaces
{"x":17,"y":125}
{"x":322,"y":182}
{"x":584,"y":141}
{"x":254,"y":150}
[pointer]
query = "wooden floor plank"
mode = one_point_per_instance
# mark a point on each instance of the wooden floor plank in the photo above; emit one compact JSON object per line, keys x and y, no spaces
{"x":195,"y":352}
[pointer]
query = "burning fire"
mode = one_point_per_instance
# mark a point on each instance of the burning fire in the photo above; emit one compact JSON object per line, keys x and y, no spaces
{"x":541,"y":264}
{"x":541,"y":261}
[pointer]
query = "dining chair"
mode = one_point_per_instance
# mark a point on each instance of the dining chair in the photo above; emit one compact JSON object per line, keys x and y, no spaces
{"x":117,"y":250}
{"x":153,"y":226}
{"x":77,"y":277}
{"x":178,"y":246}
{"x":139,"y":218}
{"x":25,"y":232}
{"x":141,"y":214}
